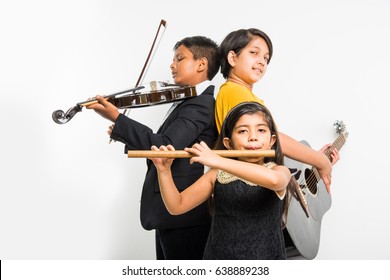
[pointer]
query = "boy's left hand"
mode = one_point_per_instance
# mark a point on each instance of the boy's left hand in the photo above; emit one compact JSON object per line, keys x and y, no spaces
{"x":105,"y":109}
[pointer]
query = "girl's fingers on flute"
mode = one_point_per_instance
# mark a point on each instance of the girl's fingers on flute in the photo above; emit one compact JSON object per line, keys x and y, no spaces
{"x":203,"y":144}
{"x":161,"y":148}
{"x":170,"y":148}
{"x":192,"y":151}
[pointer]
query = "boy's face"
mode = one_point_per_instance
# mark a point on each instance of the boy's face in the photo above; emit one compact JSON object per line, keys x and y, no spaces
{"x":184,"y":67}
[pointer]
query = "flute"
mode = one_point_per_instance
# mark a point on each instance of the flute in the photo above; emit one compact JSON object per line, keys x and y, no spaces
{"x":184,"y":154}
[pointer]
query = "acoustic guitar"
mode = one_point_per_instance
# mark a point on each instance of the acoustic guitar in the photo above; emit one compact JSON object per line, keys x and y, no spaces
{"x":304,"y":221}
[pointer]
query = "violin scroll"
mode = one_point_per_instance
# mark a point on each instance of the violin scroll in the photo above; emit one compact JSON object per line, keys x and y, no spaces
{"x":60,"y":117}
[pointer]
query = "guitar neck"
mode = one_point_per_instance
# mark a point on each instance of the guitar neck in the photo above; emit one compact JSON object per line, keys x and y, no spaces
{"x":338,"y":144}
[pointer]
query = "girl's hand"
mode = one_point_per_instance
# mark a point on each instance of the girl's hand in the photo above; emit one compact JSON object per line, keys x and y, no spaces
{"x":325,"y":171}
{"x":335,"y":156}
{"x":203,"y":154}
{"x":163,"y":164}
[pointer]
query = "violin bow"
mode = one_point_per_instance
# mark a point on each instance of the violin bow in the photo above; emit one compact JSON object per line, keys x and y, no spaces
{"x":163,"y":23}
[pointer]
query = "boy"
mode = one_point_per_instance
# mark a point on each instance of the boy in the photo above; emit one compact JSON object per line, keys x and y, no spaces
{"x":195,"y":63}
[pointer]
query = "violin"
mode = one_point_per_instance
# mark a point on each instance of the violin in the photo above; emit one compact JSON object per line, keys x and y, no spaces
{"x":134,"y":98}
{"x":159,"y":93}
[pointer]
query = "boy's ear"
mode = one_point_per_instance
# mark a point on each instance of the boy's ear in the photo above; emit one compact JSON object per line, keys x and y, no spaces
{"x":202,"y":66}
{"x":227,"y":143}
{"x":231,"y":57}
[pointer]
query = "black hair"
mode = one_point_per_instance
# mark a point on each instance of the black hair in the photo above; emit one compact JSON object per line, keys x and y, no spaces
{"x":238,"y":40}
{"x":201,"y":46}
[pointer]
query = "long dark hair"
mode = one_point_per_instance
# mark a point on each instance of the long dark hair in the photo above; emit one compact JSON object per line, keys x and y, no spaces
{"x":227,"y":129}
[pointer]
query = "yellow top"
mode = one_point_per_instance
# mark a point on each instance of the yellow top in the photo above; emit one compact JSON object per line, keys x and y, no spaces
{"x":231,"y":94}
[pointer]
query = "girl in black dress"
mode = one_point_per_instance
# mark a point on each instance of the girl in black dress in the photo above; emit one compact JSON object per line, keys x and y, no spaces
{"x":247,"y":192}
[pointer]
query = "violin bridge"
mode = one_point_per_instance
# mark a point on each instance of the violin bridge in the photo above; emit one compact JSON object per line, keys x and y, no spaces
{"x":154,"y":86}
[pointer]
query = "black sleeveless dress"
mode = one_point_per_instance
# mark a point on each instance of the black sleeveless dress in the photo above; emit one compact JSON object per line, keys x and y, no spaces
{"x":246,"y":223}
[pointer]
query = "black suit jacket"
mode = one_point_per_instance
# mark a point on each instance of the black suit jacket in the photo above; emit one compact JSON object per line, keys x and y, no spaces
{"x":190,"y":122}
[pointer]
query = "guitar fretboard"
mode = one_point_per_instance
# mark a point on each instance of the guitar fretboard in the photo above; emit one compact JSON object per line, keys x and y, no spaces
{"x":338,"y":144}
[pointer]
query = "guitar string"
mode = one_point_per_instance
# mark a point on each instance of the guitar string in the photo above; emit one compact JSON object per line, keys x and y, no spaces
{"x":314,"y":176}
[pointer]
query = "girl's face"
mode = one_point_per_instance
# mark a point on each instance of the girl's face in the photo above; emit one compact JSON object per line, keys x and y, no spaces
{"x":184,"y":67}
{"x":251,"y":132}
{"x":250,"y":65}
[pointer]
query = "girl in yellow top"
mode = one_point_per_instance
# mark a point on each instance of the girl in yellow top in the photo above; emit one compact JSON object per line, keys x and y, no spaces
{"x":245,"y":54}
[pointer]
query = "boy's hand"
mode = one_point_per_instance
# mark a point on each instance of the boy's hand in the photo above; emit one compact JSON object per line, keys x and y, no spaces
{"x":110,"y":129}
{"x":104,"y":108}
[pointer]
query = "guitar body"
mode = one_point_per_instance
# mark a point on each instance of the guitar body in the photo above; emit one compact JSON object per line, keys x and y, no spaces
{"x":305,"y":231}
{"x":303,"y":227}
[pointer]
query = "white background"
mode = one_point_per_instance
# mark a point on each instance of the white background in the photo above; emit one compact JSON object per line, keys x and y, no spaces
{"x":65,"y":193}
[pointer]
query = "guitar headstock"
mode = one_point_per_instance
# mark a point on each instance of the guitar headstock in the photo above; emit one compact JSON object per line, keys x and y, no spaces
{"x":340,"y":128}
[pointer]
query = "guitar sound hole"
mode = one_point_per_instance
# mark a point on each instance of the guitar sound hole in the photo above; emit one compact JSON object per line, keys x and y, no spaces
{"x":311,"y":181}
{"x":303,"y":188}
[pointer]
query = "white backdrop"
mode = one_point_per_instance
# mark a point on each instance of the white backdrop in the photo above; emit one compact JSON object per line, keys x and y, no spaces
{"x":65,"y":193}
